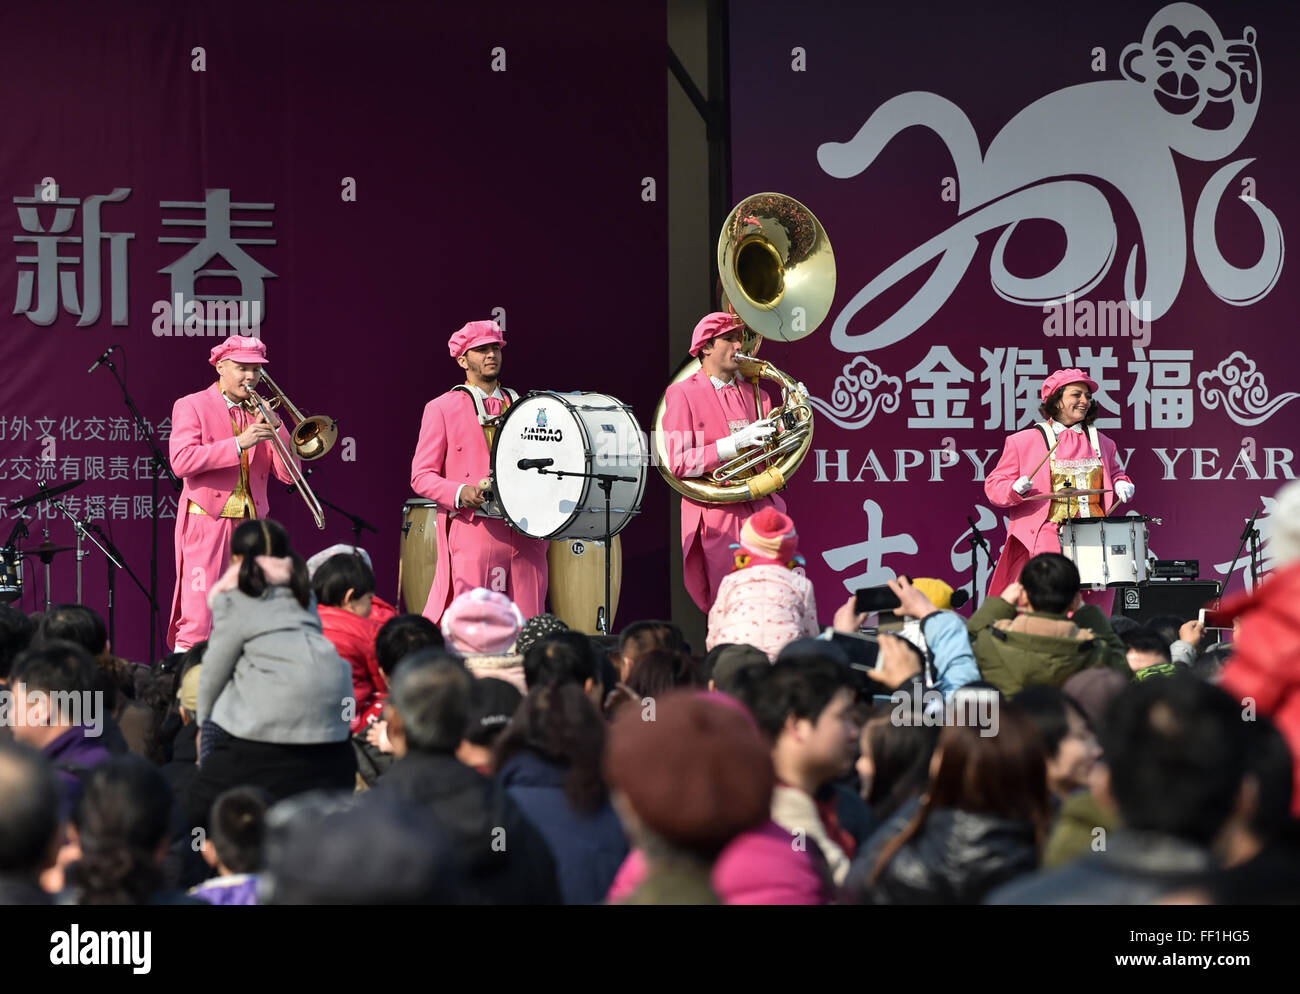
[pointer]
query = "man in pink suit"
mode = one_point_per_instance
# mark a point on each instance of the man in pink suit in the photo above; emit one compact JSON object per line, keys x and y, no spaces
{"x":1069,"y":411}
{"x":452,"y":458}
{"x":709,"y":418}
{"x":216,"y":449}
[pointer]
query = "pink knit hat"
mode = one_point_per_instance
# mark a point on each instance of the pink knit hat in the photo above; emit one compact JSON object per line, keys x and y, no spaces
{"x":769,"y":536}
{"x":238,"y":348}
{"x":475,"y":333}
{"x":1063,"y":376}
{"x":710,"y":327}
{"x":482,"y":622}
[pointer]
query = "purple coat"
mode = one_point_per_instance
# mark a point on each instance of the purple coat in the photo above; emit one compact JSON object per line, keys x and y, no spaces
{"x":73,"y":755}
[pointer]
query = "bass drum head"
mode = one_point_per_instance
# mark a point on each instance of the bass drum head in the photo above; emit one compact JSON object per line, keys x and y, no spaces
{"x":540,"y":426}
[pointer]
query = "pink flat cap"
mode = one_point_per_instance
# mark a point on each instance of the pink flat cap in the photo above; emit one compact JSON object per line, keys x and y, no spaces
{"x":474,"y":333}
{"x":482,"y":622}
{"x":710,"y":327}
{"x":238,"y":348}
{"x":1062,"y":377}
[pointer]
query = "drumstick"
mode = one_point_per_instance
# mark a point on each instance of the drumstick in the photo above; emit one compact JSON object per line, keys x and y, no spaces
{"x":1055,"y":443}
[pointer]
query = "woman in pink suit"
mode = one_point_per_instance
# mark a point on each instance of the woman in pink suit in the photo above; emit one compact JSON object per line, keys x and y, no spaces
{"x":708,"y":419}
{"x":1077,"y":450}
{"x":451,"y":458}
{"x":216,"y":449}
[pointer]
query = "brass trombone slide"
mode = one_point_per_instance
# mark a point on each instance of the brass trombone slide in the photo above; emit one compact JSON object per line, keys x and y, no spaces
{"x":312,"y":438}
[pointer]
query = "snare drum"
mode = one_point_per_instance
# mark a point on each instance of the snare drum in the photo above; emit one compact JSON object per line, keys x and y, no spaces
{"x":11,"y":575}
{"x":1108,"y":552}
{"x":418,"y":564}
{"x":574,"y":433}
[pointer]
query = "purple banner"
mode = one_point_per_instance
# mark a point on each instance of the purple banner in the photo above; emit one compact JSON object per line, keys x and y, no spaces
{"x":1012,"y":188}
{"x":370,"y":177}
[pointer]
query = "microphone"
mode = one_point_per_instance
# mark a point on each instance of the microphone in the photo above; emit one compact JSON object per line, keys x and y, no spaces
{"x":102,"y":359}
{"x":535,"y":463}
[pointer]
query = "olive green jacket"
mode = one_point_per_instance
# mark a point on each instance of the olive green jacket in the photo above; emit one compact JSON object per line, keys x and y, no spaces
{"x":1011,"y":658}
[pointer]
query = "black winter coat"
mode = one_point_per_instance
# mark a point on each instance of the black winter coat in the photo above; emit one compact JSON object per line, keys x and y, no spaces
{"x":502,"y":857}
{"x":956,"y":858}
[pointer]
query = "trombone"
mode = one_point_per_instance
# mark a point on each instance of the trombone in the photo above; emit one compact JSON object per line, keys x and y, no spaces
{"x":312,"y":438}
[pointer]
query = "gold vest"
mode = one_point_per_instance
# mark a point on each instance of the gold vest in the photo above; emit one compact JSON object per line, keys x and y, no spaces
{"x":240,"y":503}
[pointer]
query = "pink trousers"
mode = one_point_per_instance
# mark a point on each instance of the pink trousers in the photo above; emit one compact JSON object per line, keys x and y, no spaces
{"x":486,"y":552}
{"x":203,"y":553}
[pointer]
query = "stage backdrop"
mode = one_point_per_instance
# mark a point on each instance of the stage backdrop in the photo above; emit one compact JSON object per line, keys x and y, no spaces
{"x":1010,"y":188}
{"x":372,"y":176}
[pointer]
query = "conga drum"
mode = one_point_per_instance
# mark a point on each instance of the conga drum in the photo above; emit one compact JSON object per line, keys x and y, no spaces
{"x":577,"y":581}
{"x":418,"y":564}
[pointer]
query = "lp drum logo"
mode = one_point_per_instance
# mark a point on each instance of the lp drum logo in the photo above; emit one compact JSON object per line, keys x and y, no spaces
{"x":577,"y":548}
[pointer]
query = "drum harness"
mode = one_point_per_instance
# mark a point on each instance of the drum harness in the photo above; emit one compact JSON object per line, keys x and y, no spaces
{"x":490,"y":422}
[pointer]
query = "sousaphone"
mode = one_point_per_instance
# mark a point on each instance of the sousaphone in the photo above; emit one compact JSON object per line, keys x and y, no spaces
{"x":778,"y":277}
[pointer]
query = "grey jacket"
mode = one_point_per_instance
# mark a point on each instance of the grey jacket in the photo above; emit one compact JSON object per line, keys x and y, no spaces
{"x":269,"y":675}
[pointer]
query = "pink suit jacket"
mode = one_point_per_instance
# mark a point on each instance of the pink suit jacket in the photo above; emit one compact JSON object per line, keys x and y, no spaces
{"x":202,"y":455}
{"x":1022,"y":451}
{"x":693,"y":422}
{"x":452,"y":451}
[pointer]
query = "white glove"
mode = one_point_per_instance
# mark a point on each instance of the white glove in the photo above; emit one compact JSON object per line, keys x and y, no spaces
{"x":801,"y":389}
{"x":756,"y":434}
{"x":1124,"y":491}
{"x":1023,"y":485}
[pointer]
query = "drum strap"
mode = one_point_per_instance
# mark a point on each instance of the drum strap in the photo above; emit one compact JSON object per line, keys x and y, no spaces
{"x":488,"y":421}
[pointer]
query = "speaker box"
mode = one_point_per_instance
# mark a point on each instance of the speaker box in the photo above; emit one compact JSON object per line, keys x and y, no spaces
{"x":1153,"y":598}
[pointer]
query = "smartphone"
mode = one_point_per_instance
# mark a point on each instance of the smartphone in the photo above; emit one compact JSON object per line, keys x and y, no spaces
{"x":1214,"y":620}
{"x":871,"y":600}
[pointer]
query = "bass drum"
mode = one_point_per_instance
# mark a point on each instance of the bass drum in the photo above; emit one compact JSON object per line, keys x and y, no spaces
{"x":418,"y":564}
{"x":577,"y":581}
{"x":573,"y":433}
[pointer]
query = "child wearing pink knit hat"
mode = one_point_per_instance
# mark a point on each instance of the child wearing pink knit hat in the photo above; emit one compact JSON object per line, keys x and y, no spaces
{"x":767,"y":601}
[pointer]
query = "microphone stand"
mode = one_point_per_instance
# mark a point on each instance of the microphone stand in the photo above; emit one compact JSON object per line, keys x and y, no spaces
{"x":161,"y":466}
{"x":358,"y":521}
{"x":1251,"y":534}
{"x":606,"y":481}
{"x":976,"y":540}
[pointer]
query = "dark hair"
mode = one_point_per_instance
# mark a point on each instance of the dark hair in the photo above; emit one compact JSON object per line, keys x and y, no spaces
{"x":659,"y":671}
{"x":558,"y":722}
{"x":57,"y":666}
{"x":1048,"y":708}
{"x":1121,"y":624}
{"x":1177,"y":751}
{"x":561,"y":657}
{"x":123,"y":815}
{"x":1051,"y":407}
{"x":267,"y":538}
{"x":431,"y":693}
{"x":492,"y":703}
{"x":15,"y":634}
{"x":1270,"y":762}
{"x":1207,"y":665}
{"x":801,"y":687}
{"x":238,"y":826}
{"x":29,"y":810}
{"x":1167,"y":626}
{"x":1004,"y":775}
{"x":339,"y":574}
{"x":1147,"y":640}
{"x":1051,"y":582}
{"x":710,"y":660}
{"x":73,"y":623}
{"x":403,"y":635}
{"x":901,"y":757}
{"x":643,"y":636}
